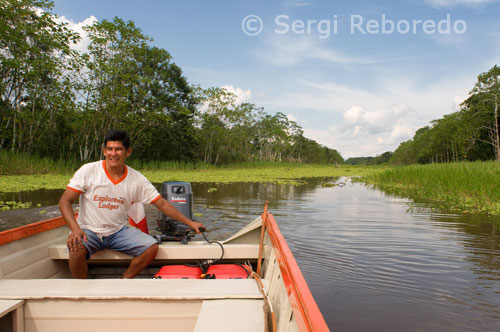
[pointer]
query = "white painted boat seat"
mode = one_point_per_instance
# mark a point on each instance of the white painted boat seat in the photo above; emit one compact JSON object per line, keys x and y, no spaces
{"x":136,"y":304}
{"x":172,"y":251}
{"x":140,"y":289}
{"x":7,"y":306}
{"x":231,"y":315}
{"x":16,"y":310}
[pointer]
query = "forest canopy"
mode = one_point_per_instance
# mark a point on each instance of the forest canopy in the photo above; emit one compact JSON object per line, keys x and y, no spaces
{"x":58,"y":102}
{"x":470,"y":134}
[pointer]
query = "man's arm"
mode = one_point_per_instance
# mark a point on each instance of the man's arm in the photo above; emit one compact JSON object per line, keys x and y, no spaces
{"x":168,"y":209}
{"x":69,"y":196}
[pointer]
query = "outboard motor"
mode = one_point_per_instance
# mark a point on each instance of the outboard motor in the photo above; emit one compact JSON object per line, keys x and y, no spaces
{"x":178,"y":194}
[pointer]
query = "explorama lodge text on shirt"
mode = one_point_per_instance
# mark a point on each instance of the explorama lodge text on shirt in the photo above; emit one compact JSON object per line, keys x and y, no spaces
{"x":105,"y":202}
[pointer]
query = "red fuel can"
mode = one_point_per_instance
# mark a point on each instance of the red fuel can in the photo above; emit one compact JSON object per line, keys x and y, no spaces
{"x":227,"y":271}
{"x":178,"y":272}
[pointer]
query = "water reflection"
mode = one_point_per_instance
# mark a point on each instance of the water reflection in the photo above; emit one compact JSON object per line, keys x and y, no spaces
{"x":45,"y":197}
{"x":16,"y":218}
{"x":373,"y":261}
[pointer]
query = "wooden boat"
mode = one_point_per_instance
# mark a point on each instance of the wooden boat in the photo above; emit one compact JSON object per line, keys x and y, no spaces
{"x":37,"y":293}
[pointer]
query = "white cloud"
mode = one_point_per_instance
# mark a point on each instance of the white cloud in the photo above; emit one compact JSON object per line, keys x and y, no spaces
{"x":291,"y":117}
{"x":353,"y":114}
{"x":242,"y":96}
{"x":359,"y":130}
{"x":84,"y":42}
{"x":357,"y":141}
{"x":367,"y":122}
{"x":318,"y":96}
{"x":375,"y":121}
{"x":76,"y":27}
{"x":366,"y":132}
{"x":291,"y":49}
{"x":457,"y":100}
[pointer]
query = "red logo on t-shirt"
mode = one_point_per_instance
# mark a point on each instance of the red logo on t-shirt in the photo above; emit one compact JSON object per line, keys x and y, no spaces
{"x":106,"y":202}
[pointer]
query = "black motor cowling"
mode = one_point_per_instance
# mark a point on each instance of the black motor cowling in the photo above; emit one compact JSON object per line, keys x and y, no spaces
{"x":178,"y":194}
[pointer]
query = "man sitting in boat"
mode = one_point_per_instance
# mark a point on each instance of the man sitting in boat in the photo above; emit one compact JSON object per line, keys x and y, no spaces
{"x":107,"y":189}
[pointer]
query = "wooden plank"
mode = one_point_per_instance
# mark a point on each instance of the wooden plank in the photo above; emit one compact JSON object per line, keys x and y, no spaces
{"x":161,"y":289}
{"x":18,"y":319}
{"x":56,"y":315}
{"x":7,"y":306}
{"x":172,"y":252}
{"x":231,"y":315}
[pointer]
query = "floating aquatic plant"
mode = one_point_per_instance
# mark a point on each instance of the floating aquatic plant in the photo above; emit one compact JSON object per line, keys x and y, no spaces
{"x":13,"y":205}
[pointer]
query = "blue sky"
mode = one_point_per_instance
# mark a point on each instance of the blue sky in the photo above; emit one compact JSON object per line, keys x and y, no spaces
{"x":357,"y":76}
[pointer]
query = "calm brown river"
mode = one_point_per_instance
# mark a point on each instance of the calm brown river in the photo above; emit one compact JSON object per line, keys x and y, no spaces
{"x":373,"y":262}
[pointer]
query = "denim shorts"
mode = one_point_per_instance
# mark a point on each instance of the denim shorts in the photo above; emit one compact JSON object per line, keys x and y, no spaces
{"x":128,"y":240}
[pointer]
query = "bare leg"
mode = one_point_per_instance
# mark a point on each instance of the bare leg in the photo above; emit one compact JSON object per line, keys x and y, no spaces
{"x":78,"y":262}
{"x":140,"y":262}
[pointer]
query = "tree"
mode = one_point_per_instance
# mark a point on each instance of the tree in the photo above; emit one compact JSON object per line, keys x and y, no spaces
{"x":35,"y":57}
{"x":214,"y":118}
{"x":57,"y":102}
{"x":483,"y":103}
{"x":162,"y":107}
{"x":274,"y":136}
{"x":105,"y":85}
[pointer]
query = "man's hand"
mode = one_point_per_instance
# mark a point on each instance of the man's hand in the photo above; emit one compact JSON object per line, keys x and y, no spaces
{"x":195,"y":226}
{"x":76,"y":236}
{"x":75,"y":239}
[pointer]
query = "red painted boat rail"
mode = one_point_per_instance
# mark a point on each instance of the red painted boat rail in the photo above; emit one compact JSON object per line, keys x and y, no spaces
{"x":19,"y":233}
{"x":305,"y":309}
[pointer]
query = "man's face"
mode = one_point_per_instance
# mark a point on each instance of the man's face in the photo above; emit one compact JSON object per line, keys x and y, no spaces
{"x":116,"y":154}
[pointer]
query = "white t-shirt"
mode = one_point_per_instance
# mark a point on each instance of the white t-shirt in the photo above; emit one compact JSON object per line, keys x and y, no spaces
{"x":104,"y":203}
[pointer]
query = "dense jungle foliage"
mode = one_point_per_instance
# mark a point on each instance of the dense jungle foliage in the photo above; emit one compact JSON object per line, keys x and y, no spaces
{"x":58,"y":102}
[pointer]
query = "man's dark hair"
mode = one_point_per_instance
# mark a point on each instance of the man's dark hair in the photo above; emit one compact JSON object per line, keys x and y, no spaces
{"x":117,"y":135}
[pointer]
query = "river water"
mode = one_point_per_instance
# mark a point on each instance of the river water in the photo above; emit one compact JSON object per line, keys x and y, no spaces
{"x":373,"y":262}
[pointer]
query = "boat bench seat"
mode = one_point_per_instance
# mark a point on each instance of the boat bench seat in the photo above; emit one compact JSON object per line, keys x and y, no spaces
{"x":7,"y":306}
{"x":137,"y":304}
{"x":172,"y":251}
{"x":14,"y":308}
{"x":133,"y":289}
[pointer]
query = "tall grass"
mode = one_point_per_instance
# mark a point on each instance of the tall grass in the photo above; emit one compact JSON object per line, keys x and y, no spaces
{"x":460,"y":187}
{"x":26,"y":164}
{"x":260,"y":172}
{"x":158,"y":165}
{"x":470,"y":187}
{"x":154,"y":165}
{"x":24,"y":172}
{"x":23,"y":163}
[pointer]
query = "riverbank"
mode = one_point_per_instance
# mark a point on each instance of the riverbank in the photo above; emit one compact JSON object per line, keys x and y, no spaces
{"x":455,"y":187}
{"x":467,"y":187}
{"x":57,"y":177}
